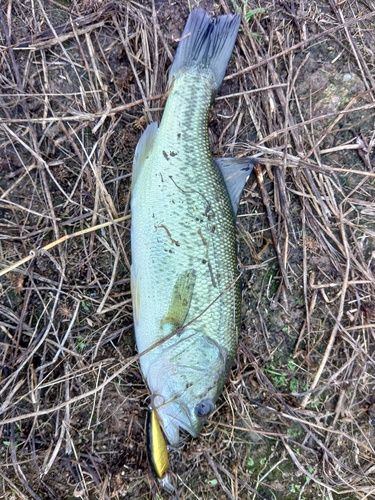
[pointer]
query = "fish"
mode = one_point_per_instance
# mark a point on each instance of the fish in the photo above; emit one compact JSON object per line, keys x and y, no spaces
{"x":184,"y":274}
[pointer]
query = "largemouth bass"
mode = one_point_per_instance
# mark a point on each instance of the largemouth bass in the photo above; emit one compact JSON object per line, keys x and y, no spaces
{"x":184,"y":274}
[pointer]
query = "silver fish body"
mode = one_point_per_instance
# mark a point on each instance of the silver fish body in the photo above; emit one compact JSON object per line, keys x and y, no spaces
{"x":184,"y":268}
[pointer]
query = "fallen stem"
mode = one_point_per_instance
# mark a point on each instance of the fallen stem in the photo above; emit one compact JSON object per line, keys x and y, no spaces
{"x":34,"y":253}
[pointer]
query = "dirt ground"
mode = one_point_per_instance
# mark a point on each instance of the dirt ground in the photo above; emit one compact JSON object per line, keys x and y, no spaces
{"x":79,"y":81}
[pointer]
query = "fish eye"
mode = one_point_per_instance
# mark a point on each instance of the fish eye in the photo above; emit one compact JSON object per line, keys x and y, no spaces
{"x":204,"y":408}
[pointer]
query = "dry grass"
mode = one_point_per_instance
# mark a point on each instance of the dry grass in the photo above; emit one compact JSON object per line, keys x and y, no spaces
{"x":79,"y":81}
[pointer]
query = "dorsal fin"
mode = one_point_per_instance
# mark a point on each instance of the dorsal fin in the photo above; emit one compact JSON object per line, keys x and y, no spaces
{"x":143,"y":149}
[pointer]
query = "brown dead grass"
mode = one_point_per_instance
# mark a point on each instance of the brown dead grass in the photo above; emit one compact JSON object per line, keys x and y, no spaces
{"x":79,"y":82}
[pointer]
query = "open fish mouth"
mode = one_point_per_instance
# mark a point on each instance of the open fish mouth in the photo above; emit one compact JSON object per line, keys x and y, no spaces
{"x":175,"y":415}
{"x":172,"y":417}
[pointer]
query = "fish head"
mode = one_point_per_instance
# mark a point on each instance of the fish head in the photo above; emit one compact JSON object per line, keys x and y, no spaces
{"x":185,"y":382}
{"x":185,"y":413}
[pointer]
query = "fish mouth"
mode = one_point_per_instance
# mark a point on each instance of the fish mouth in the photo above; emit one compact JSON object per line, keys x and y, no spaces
{"x":172,"y":417}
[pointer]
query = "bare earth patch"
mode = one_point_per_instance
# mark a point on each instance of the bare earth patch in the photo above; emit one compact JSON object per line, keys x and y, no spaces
{"x":79,"y":82}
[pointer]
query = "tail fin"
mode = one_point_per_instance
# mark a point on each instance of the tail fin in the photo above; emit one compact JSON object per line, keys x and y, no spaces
{"x":206,"y":43}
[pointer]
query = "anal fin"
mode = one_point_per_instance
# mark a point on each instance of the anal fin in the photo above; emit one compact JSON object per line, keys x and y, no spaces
{"x":236,"y":171}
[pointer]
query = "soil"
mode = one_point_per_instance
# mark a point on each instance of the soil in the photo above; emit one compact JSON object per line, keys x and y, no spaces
{"x":76,"y":78}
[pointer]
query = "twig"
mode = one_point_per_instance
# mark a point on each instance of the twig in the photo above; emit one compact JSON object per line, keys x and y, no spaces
{"x":304,"y":43}
{"x":218,"y":476}
{"x":338,"y":319}
{"x":34,"y":253}
{"x":266,"y":203}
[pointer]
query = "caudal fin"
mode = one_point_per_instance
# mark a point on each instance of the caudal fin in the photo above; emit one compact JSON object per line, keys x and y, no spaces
{"x":206,"y":43}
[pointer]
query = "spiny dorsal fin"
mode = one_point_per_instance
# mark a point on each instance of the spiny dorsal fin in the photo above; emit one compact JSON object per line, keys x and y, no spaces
{"x":136,"y":298}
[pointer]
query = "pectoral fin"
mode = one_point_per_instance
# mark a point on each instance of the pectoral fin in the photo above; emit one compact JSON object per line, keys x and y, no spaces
{"x":180,"y":301}
{"x":143,"y":149}
{"x":236,"y":171}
